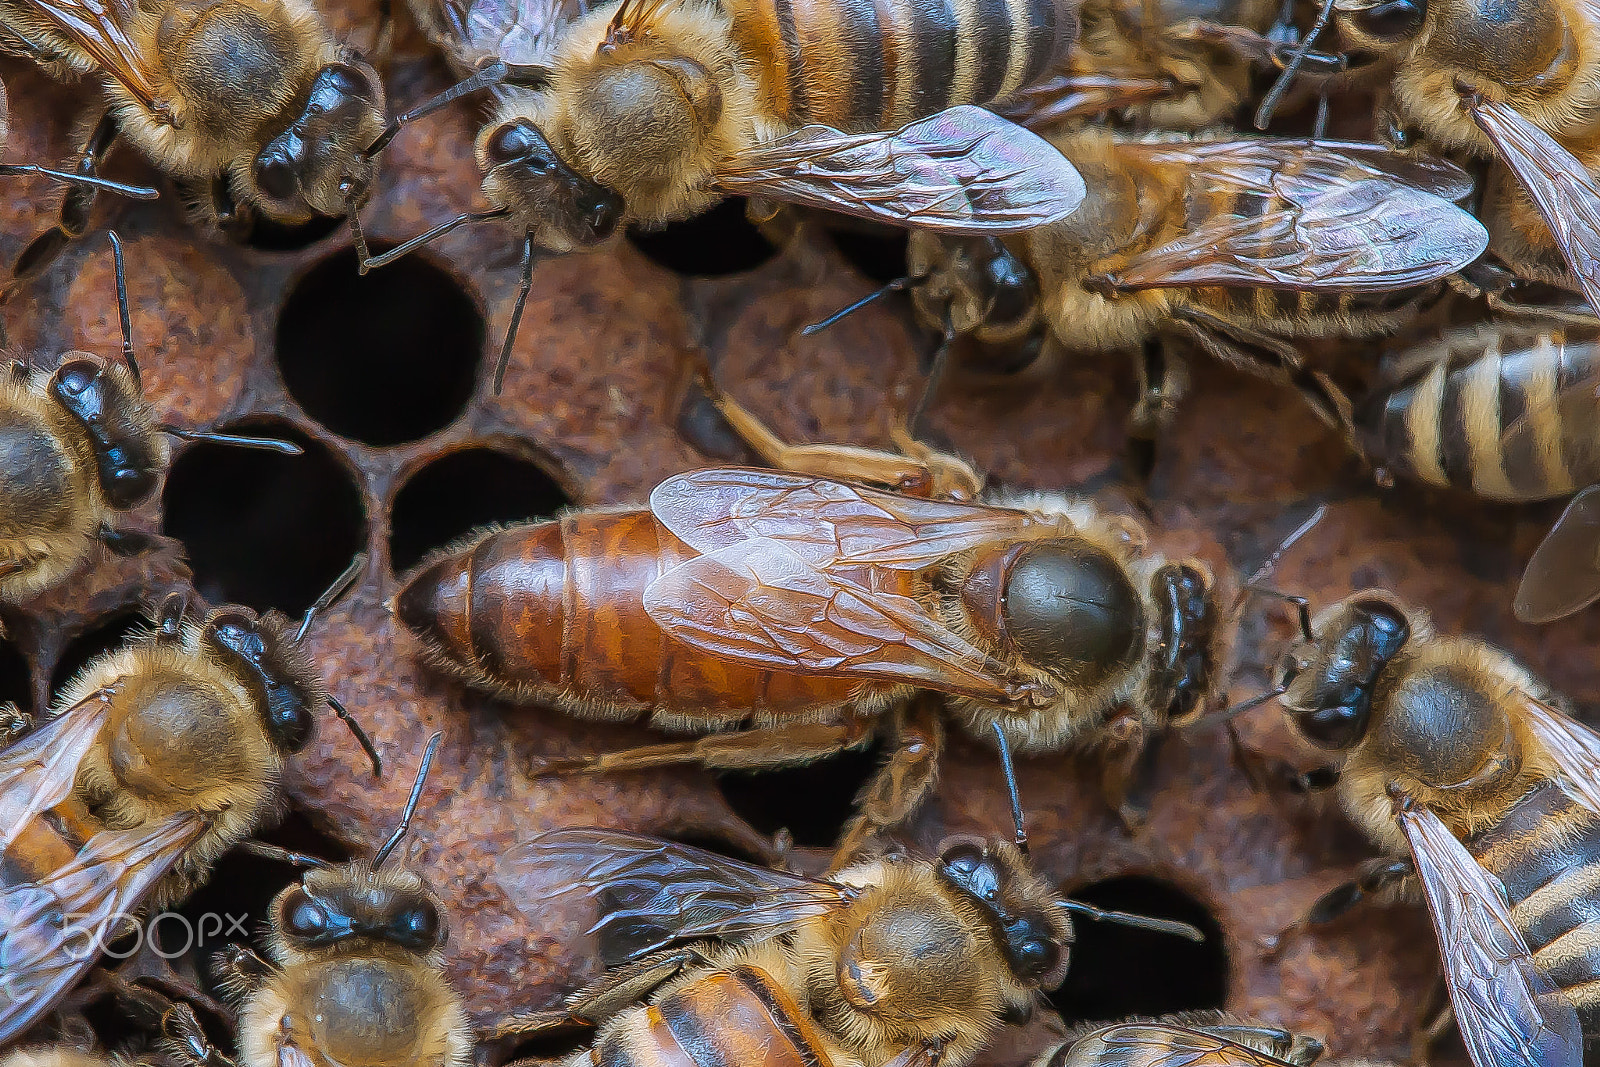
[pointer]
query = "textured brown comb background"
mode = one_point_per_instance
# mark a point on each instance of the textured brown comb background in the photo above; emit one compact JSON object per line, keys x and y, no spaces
{"x":591,"y":415}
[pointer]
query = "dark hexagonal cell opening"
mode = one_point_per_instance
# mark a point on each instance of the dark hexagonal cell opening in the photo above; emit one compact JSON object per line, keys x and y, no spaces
{"x":384,"y":358}
{"x":812,"y":801}
{"x":713,"y":243}
{"x":1119,"y":971}
{"x":877,"y":254}
{"x":260,"y":528}
{"x":462,"y":491}
{"x":106,"y":634}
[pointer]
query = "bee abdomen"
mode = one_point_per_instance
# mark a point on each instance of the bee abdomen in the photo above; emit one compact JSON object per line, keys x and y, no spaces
{"x":1546,"y":851}
{"x":734,"y":1018}
{"x":865,"y":65}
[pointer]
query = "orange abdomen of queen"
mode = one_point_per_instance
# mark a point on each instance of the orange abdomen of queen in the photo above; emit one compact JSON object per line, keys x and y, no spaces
{"x":555,"y":610}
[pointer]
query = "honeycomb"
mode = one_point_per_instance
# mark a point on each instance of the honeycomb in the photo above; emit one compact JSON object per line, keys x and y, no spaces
{"x":384,"y":380}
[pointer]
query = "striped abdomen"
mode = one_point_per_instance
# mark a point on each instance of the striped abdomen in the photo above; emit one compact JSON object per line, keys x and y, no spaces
{"x":734,"y":1018}
{"x":865,"y":65}
{"x":1303,"y":313}
{"x":555,"y":611}
{"x":1445,"y":425}
{"x":1546,"y":850}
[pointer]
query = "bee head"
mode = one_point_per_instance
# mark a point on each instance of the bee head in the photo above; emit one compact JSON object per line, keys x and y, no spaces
{"x":1329,"y":684}
{"x":561,"y":208}
{"x":105,"y":401}
{"x":320,"y":165}
{"x":338,"y":905}
{"x":261,"y":651}
{"x":1183,"y":658}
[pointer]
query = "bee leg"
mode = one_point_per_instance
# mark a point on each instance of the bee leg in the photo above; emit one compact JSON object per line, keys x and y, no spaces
{"x":1286,"y":1046}
{"x":239,"y":972}
{"x":775,"y":746}
{"x":1376,"y":876}
{"x":76,"y":205}
{"x":586,"y":1010}
{"x":1127,"y":779}
{"x":187,"y":1042}
{"x":14,"y":724}
{"x":125,"y":542}
{"x":1433,"y":1023}
{"x":169,"y":619}
{"x":1283,"y":775}
{"x":905,"y":778}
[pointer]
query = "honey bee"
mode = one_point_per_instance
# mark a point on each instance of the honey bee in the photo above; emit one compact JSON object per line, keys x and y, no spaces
{"x":1508,"y":412}
{"x":158,"y":757}
{"x":1453,"y":761}
{"x":1511,"y":82}
{"x":356,"y":973}
{"x":903,"y":961}
{"x":1243,"y":248}
{"x":809,"y":608}
{"x":646,"y":111}
{"x":251,"y":105}
{"x":81,"y":447}
{"x":1211,"y":1038}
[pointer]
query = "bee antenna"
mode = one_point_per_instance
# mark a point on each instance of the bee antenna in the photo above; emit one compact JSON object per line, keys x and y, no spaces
{"x":359,"y":239}
{"x":1011,"y":787}
{"x":525,"y":75}
{"x":434,"y":234}
{"x":1270,"y":102}
{"x":133,"y":192}
{"x":1142,"y":922}
{"x":339,"y":587}
{"x":411,"y":805}
{"x":265,"y":444}
{"x":528,"y":259}
{"x":282,"y":855}
{"x":122,"y":307}
{"x":1236,"y":710}
{"x":894,"y":286}
{"x":359,"y":734}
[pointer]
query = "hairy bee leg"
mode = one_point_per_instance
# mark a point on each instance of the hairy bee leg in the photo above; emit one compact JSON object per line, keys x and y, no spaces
{"x":76,"y":205}
{"x":619,"y":989}
{"x":901,"y":784}
{"x":1432,"y":1024}
{"x":14,"y":724}
{"x":776,"y":746}
{"x":1376,"y":876}
{"x":1127,"y":779}
{"x":187,"y":1042}
{"x":239,"y":972}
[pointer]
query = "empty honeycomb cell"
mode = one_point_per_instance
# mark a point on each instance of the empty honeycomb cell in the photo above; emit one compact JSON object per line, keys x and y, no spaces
{"x":721,"y":240}
{"x":260,"y":528}
{"x":811,"y":801}
{"x":1112,"y":974}
{"x":106,"y":635}
{"x":382,"y":358}
{"x":462,"y":491}
{"x":879,"y":254}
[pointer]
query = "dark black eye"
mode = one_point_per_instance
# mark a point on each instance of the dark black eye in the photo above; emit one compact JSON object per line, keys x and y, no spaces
{"x":1037,"y":956}
{"x":289,"y":725}
{"x":302,"y":917}
{"x":1336,"y":728}
{"x":277,"y":178}
{"x":963,"y":860}
{"x":347,"y":79}
{"x":416,"y":926}
{"x":1392,"y":21}
{"x":74,"y":377}
{"x":517,"y":141}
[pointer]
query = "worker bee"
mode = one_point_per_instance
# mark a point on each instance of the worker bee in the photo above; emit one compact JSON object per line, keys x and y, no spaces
{"x":158,"y":757}
{"x":647,"y":111}
{"x":1512,"y":82}
{"x":356,"y":972}
{"x":1453,"y":761}
{"x":1211,"y":1038}
{"x":895,"y":960}
{"x":81,"y":447}
{"x":810,"y":608}
{"x":1241,"y":247}
{"x":1508,"y":412}
{"x":251,"y":105}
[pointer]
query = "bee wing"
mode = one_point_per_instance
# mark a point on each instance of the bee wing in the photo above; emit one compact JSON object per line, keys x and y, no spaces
{"x":1560,"y":185}
{"x":962,"y":171}
{"x":1563,"y":574}
{"x":762,"y":605}
{"x":291,"y":1054}
{"x":1321,"y":218}
{"x":1509,"y":1013}
{"x":38,"y":772}
{"x":1157,"y":1044}
{"x":640,"y":894}
{"x":827,"y":523}
{"x":472,"y":33}
{"x":51,"y":931}
{"x":1575,"y":748}
{"x":1252,"y":163}
{"x":100,"y":28}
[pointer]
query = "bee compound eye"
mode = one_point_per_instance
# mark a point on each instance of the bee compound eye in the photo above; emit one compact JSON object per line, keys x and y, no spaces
{"x":276,"y":177}
{"x":1391,"y":21}
{"x":516,"y":141}
{"x":304,"y":917}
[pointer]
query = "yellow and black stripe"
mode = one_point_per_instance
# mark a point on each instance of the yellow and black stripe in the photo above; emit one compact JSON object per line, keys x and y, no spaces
{"x":867,"y":65}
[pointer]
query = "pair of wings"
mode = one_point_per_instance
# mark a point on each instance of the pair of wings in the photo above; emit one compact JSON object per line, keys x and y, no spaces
{"x":635,"y":895}
{"x":790,"y":569}
{"x":54,"y":929}
{"x":1510,"y":1013}
{"x":1329,"y":216}
{"x":101,"y":29}
{"x":1163,"y":1044}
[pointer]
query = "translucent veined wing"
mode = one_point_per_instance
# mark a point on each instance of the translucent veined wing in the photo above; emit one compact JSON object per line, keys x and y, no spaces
{"x":100,"y":28}
{"x":472,"y":33}
{"x":1159,"y":1044}
{"x":51,"y":931}
{"x":760,"y":604}
{"x":830,"y":524}
{"x":1563,"y":574}
{"x":1309,"y":217}
{"x":636,"y":894}
{"x":1575,"y":747}
{"x":1256,"y":163}
{"x":962,"y":171}
{"x":1509,"y":1013}
{"x":38,"y":772}
{"x":1561,"y":187}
